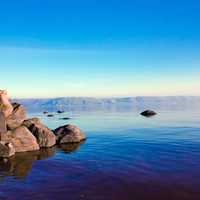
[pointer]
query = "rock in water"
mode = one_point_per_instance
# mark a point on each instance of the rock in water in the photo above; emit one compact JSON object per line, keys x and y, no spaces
{"x":22,"y":139}
{"x":148,"y":113}
{"x":69,"y":134}
{"x":65,"y":118}
{"x":18,"y":134}
{"x":50,"y":115}
{"x":60,"y":111}
{"x":6,"y":149}
{"x":45,"y":137}
{"x":17,"y":117}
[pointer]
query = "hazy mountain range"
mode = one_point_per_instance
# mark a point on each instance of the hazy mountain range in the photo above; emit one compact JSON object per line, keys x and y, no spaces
{"x":115,"y":104}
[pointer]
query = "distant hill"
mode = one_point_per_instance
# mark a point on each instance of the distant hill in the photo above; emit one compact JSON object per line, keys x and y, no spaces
{"x":114,"y":104}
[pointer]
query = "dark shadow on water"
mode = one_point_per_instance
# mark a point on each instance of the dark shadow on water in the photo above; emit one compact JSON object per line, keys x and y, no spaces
{"x":20,"y":165}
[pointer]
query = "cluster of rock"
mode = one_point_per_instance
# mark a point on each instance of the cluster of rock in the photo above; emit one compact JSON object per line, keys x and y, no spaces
{"x":19,"y":134}
{"x":51,"y":115}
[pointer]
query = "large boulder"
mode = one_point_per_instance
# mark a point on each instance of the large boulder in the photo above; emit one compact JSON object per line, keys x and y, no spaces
{"x":22,"y":139}
{"x":69,"y":134}
{"x":17,"y":117}
{"x":45,"y":137}
{"x":148,"y":113}
{"x":6,"y":149}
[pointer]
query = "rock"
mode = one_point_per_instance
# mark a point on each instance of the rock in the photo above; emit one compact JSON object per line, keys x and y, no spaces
{"x":5,"y":104}
{"x":60,"y":111}
{"x":45,"y":112}
{"x":17,"y":117}
{"x":45,"y":137}
{"x":65,"y":118}
{"x":50,"y":115}
{"x":22,"y":139}
{"x":69,"y":134}
{"x":29,"y":122}
{"x":6,"y":149}
{"x":148,"y":113}
{"x":3,"y":128}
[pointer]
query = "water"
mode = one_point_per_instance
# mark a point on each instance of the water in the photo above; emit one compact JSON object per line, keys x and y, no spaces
{"x":125,"y":156}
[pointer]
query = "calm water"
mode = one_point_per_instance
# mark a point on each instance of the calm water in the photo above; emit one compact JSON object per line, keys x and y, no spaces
{"x":126,"y":157}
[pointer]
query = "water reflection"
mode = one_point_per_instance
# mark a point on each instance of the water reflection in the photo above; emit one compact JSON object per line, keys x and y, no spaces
{"x":69,"y":148}
{"x":21,"y":164}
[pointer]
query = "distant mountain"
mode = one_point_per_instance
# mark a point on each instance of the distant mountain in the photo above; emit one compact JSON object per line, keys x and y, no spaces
{"x":113,"y":104}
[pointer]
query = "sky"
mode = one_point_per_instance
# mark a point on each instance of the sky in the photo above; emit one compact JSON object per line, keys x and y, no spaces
{"x":99,"y":48}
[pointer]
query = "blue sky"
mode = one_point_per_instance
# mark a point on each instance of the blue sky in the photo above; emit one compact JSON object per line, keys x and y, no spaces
{"x":103,"y":48}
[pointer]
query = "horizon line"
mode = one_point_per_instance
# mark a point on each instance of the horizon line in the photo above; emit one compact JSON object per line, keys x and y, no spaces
{"x":115,"y":97}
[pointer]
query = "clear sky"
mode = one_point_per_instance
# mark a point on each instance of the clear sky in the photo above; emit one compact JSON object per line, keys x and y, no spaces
{"x":51,"y":48}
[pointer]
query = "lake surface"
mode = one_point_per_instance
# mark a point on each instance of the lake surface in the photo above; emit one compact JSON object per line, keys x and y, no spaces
{"x":125,"y":157}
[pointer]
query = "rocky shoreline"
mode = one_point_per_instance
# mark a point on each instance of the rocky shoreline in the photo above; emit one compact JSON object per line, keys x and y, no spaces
{"x":19,"y":134}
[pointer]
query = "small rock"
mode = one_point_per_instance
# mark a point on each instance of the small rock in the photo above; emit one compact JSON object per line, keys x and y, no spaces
{"x":50,"y":115}
{"x":69,"y":134}
{"x":60,"y":111}
{"x":148,"y":113}
{"x":65,"y":118}
{"x":45,"y":112}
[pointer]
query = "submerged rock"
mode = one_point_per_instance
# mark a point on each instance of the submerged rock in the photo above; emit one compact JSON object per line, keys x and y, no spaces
{"x":71,"y":147}
{"x":17,"y":117}
{"x":69,"y":134}
{"x":45,"y":153}
{"x":45,"y":137}
{"x":20,"y":165}
{"x":6,"y":149}
{"x":148,"y":113}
